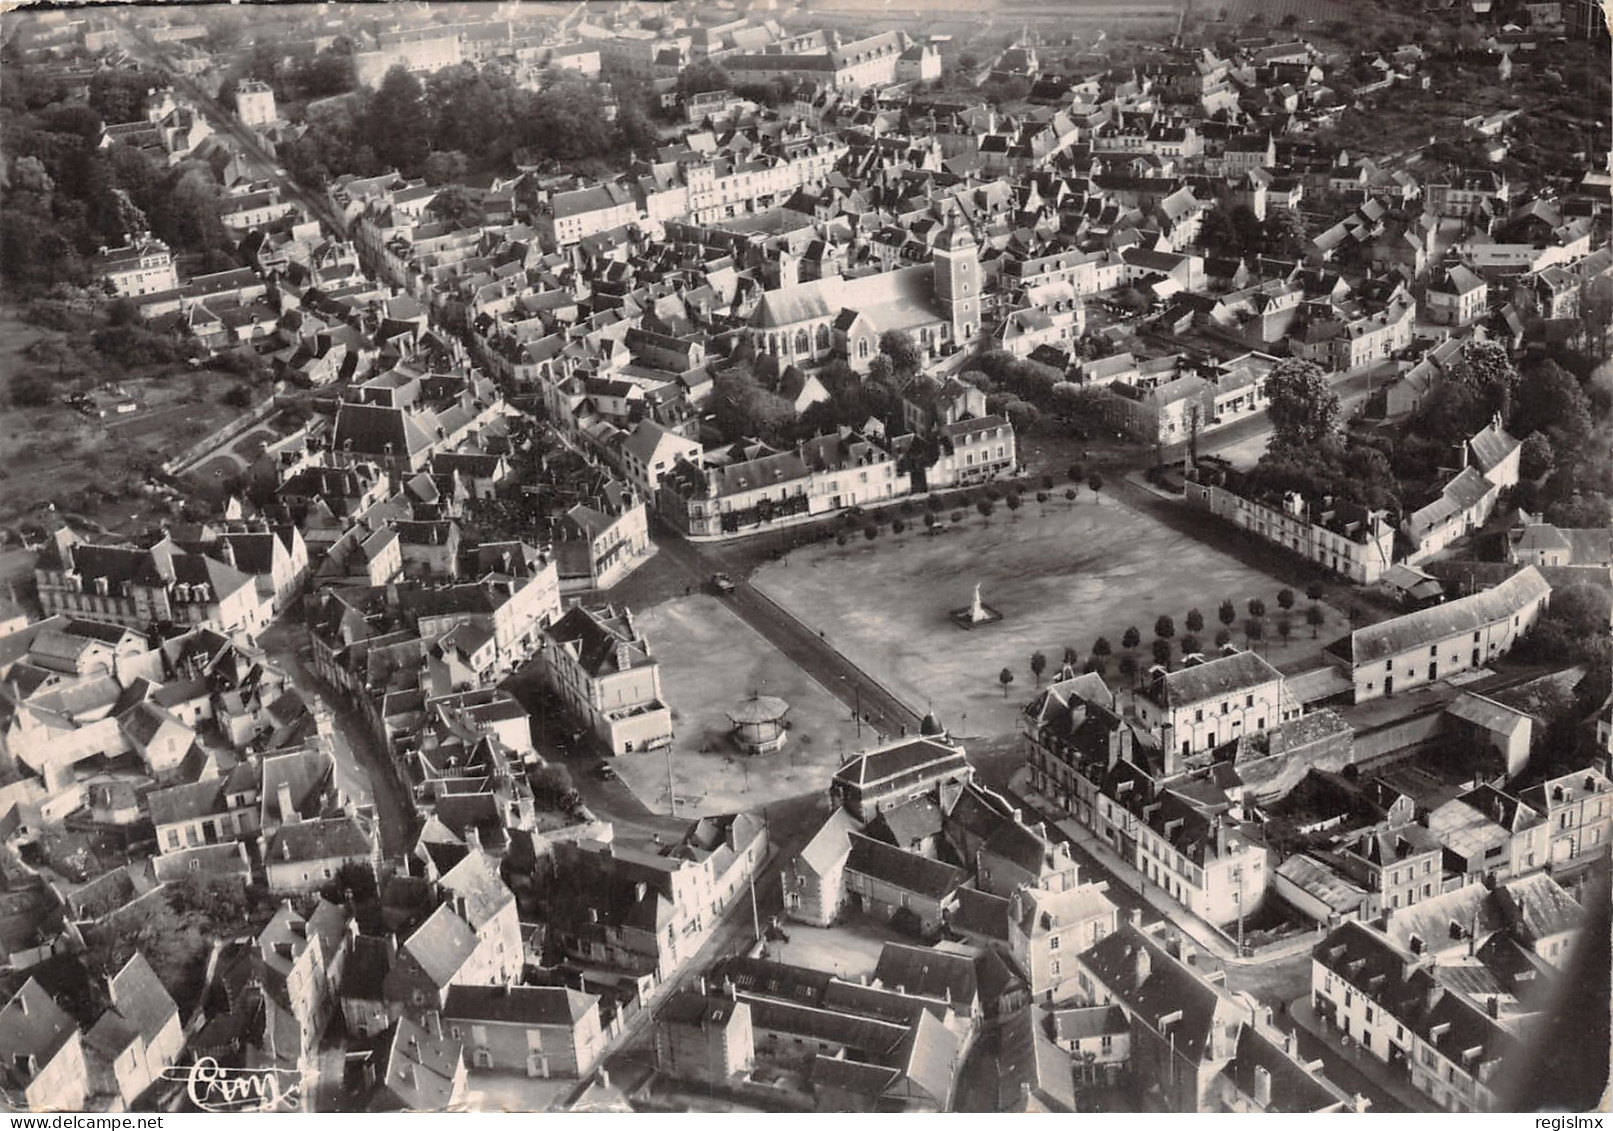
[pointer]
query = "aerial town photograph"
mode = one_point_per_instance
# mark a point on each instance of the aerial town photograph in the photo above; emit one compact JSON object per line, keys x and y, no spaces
{"x":750,"y":556}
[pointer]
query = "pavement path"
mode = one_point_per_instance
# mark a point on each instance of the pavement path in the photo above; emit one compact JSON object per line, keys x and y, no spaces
{"x":142,"y":47}
{"x":813,"y":652}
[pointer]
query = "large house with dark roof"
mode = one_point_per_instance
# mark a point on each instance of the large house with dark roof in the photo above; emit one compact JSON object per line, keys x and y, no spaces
{"x":869,"y":784}
{"x":718,"y":499}
{"x":144,"y":587}
{"x":604,"y":672}
{"x":538,"y":1031}
{"x":1436,"y":643}
{"x":1206,"y":703}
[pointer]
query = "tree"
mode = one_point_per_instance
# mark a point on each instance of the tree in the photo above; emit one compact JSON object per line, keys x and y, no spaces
{"x":1223,"y":637}
{"x":1013,"y":504}
{"x":1131,"y":637}
{"x":1538,"y":459}
{"x":1038,"y":666}
{"x":905,"y":355}
{"x":897,"y":526}
{"x":1076,"y":474}
{"x":1257,"y":607}
{"x":1096,"y":483}
{"x":702,"y":77}
{"x":840,"y":540}
{"x":1071,"y":657}
{"x":1195,"y":621}
{"x":930,"y":521}
{"x":1162,"y":653}
{"x":985,"y":507}
{"x":1314,"y":591}
{"x":1101,"y":647}
{"x":1005,"y":677}
{"x":445,"y":167}
{"x":1189,"y":644}
{"x":1285,"y":628}
{"x":1315,"y":618}
{"x":1227,"y":613}
{"x":399,"y":121}
{"x":1164,"y":627}
{"x":1041,"y":499}
{"x":1304,"y":411}
{"x":553,"y":788}
{"x":1285,"y":599}
{"x":1128,"y":667}
{"x":1069,"y":493}
{"x":1253,"y":629}
{"x":1557,"y":405}
{"x":870,"y":532}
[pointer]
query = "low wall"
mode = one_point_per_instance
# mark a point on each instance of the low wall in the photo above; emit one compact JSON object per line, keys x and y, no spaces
{"x":1398,"y":740}
{"x":219,"y":437}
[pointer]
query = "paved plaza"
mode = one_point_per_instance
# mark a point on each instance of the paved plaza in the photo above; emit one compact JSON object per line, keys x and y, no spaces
{"x":1061,"y":576}
{"x":710,"y":661}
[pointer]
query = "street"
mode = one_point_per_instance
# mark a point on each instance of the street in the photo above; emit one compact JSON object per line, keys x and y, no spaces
{"x":141,"y":47}
{"x":1244,"y":441}
{"x":357,"y":753}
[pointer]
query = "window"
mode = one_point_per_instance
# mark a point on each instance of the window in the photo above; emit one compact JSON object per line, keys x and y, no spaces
{"x":1053,"y":943}
{"x":1055,"y":968}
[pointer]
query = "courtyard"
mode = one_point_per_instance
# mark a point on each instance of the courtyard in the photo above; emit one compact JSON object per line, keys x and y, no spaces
{"x":710,"y":661}
{"x":1060,"y":575}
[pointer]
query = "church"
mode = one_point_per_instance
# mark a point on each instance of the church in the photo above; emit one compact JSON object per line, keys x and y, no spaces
{"x":937,"y":303}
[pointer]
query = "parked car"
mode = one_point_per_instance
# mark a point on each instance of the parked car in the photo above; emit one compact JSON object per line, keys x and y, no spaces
{"x":607,"y":772}
{"x":722,"y":583}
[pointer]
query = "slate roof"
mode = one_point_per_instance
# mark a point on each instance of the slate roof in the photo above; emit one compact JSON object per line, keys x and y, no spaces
{"x":905,"y":870}
{"x":322,"y":838}
{"x":915,"y":756}
{"x":1492,"y":445}
{"x":595,"y":635}
{"x":140,"y":996}
{"x":1294,"y":1087}
{"x":441,"y":945}
{"x":1465,"y":614}
{"x":1218,"y":678}
{"x":891,"y":300}
{"x":1150,"y":985}
{"x":419,"y":1068}
{"x":831,"y":842}
{"x":981,"y":913}
{"x":928,"y":972}
{"x":519,"y":1005}
{"x":31,"y":1025}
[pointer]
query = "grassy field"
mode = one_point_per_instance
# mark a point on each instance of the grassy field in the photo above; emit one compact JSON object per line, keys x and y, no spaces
{"x":90,"y":468}
{"x":1060,"y":579}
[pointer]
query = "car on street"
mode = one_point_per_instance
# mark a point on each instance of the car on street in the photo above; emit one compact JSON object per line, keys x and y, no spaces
{"x":606,"y":772}
{"x":722,"y":583}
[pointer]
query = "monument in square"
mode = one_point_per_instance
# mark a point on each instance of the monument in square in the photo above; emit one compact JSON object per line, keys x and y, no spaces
{"x":975,"y":613}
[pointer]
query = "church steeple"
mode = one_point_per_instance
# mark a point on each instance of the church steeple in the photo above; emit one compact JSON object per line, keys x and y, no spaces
{"x":956,"y":267}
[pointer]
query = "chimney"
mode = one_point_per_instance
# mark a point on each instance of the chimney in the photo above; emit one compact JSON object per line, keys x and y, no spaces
{"x":1262,"y":1085}
{"x":1220,"y":838}
{"x":1492,"y":1006}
